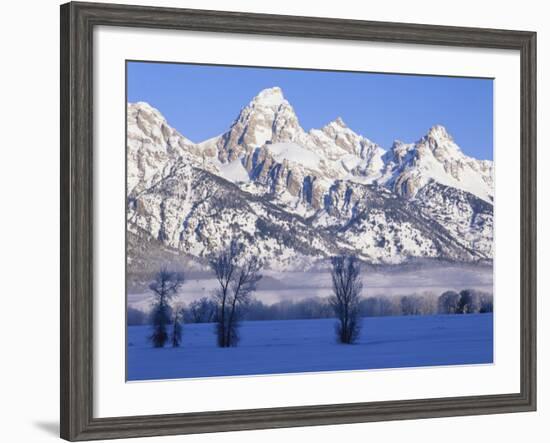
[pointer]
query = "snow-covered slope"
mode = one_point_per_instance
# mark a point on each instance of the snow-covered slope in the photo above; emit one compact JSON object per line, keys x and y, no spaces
{"x":152,"y":146}
{"x":294,"y":196}
{"x":409,"y":167}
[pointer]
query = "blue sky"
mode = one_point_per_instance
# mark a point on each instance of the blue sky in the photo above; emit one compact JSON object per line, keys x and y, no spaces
{"x":202,"y":101}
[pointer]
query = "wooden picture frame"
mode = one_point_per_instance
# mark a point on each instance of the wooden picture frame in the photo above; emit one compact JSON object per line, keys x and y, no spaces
{"x":77,"y":23}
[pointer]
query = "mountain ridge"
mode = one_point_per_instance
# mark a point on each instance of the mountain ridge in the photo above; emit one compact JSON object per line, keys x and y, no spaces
{"x":353,"y":195}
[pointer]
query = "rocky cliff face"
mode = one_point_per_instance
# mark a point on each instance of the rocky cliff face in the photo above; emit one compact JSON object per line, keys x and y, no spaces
{"x":294,"y":197}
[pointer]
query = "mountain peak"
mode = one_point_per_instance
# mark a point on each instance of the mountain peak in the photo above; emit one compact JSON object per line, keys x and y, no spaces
{"x":145,"y":107}
{"x":399,"y":144}
{"x":439,"y":132}
{"x":270,"y":97}
{"x":338,"y":122}
{"x":140,"y":104}
{"x":336,"y":126}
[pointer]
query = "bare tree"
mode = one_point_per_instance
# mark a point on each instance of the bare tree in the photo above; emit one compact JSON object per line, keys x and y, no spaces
{"x":201,"y":311}
{"x":224,"y":267}
{"x":165,"y":285}
{"x":379,"y":306}
{"x":347,"y":286}
{"x":242,"y":287}
{"x":237,"y":283}
{"x":177,"y":325}
{"x":486,"y":303}
{"x":448,"y":302}
{"x":470,"y":302}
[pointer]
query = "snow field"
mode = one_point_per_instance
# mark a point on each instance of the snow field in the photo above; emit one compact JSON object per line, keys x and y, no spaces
{"x":292,"y":346}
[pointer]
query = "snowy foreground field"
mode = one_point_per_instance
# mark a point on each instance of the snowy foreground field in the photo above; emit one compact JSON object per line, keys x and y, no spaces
{"x":287,"y":346}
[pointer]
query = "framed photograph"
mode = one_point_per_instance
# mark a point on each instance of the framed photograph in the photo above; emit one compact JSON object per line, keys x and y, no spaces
{"x":273,"y":221}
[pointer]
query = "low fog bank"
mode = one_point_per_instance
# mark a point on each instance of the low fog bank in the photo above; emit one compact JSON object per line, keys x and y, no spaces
{"x":426,"y":278}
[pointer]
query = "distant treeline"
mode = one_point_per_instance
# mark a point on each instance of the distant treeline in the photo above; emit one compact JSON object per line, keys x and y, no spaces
{"x":467,"y":301}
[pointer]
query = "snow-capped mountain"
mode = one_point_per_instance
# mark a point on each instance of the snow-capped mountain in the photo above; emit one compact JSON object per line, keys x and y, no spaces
{"x":294,"y":197}
{"x":409,"y":167}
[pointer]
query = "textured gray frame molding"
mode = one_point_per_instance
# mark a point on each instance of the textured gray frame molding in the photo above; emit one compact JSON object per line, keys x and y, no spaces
{"x":77,"y":24}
